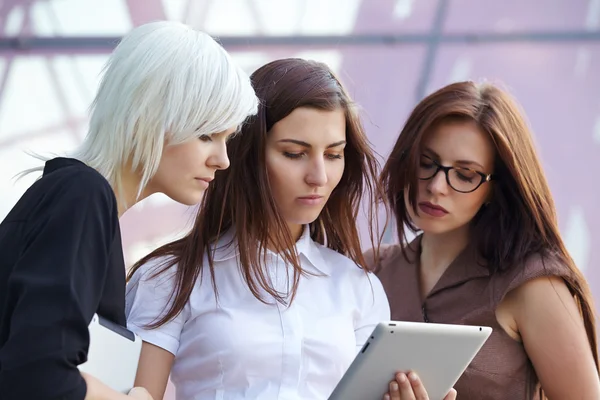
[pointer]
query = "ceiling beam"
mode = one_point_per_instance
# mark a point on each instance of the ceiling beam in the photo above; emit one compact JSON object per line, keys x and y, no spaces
{"x":106,"y":44}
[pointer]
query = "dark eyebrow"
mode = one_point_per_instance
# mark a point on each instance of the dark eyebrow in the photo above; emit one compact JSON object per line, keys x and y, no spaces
{"x":463,"y":162}
{"x":470,"y":163}
{"x":308,"y":145}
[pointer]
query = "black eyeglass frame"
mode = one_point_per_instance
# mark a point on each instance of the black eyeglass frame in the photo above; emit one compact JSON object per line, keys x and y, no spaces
{"x":484,"y":177}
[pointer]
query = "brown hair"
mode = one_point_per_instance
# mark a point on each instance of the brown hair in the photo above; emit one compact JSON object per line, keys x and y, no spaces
{"x":521,"y":211}
{"x":240,"y":197}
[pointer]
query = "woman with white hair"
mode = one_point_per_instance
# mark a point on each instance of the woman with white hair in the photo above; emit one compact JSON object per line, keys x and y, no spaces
{"x":169,"y":99}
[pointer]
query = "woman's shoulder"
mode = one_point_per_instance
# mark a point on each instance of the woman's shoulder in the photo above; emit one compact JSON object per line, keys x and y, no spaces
{"x":340,"y":266}
{"x":150,"y":285}
{"x":379,"y":259}
{"x":342,"y":271}
{"x":157,"y":271}
{"x":69,"y":183}
{"x":537,"y":265}
{"x":61,"y":173}
{"x":69,"y":186}
{"x":333,"y":259}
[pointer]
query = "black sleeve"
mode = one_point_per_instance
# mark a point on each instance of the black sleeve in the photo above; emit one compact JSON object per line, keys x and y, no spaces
{"x":56,"y":288}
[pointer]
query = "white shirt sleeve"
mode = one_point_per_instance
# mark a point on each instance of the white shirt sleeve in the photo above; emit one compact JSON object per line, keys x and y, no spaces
{"x":149,"y":298}
{"x":375,"y":309}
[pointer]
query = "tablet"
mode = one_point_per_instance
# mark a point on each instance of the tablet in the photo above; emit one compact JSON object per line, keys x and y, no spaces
{"x":113,"y":355}
{"x":438,"y":353}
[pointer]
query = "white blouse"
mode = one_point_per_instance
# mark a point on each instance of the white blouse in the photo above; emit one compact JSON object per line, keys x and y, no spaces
{"x":241,"y":348}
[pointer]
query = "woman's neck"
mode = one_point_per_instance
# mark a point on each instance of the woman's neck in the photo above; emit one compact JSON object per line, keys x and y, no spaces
{"x":439,"y":250}
{"x":127,"y":194}
{"x":296,"y":231}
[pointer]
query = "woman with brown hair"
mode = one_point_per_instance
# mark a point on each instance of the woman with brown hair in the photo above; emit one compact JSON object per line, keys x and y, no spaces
{"x":465,"y":175}
{"x":267,"y":297}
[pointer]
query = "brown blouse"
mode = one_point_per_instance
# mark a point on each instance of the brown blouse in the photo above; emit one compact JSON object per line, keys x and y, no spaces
{"x":468,"y":294}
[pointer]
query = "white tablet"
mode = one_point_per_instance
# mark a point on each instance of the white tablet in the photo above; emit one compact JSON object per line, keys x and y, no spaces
{"x":113,"y":355}
{"x":438,"y":353}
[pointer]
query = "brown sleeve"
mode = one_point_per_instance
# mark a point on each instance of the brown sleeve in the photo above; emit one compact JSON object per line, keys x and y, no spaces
{"x":538,"y":266}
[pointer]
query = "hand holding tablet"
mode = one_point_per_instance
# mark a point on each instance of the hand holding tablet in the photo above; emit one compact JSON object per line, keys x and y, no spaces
{"x":409,"y":387}
{"x":438,"y":353}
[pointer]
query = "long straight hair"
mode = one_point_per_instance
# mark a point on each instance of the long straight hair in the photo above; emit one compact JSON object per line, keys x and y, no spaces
{"x":522,"y":209}
{"x":240,"y":197}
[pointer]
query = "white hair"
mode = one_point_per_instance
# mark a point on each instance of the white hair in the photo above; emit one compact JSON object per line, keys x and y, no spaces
{"x":165,"y":83}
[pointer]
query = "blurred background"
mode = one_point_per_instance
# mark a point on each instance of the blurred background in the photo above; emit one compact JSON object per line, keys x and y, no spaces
{"x":389,"y":53}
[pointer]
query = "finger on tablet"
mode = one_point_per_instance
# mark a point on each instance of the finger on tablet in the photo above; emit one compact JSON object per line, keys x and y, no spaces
{"x":451,"y":395}
{"x":393,"y":391}
{"x":406,"y":391}
{"x":417,"y":387}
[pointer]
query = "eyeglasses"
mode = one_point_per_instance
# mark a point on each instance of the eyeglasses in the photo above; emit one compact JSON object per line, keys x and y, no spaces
{"x":463,"y":180}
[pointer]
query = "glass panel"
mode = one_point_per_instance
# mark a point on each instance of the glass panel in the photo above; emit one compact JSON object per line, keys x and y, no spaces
{"x":29,"y":88}
{"x":396,"y":16}
{"x":14,"y":160}
{"x":223,"y":17}
{"x":518,"y":15}
{"x":307,"y":17}
{"x":80,"y":18}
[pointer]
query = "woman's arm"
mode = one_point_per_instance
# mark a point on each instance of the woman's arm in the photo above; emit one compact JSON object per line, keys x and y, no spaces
{"x":148,"y":297}
{"x":154,"y":369}
{"x":374,"y":308}
{"x":548,"y":322}
{"x":53,"y":292}
{"x":96,"y":390}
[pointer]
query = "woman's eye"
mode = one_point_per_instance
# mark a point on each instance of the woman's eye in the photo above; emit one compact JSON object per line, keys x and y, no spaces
{"x":205,"y":138}
{"x":334,"y":156}
{"x":292,"y":155}
{"x":465,"y":176}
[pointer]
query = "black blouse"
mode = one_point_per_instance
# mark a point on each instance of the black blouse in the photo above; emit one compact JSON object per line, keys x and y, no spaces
{"x":61,"y":261}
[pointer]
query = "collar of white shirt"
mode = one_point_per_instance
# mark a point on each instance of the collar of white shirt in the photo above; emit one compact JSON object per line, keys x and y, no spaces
{"x":227,"y":248}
